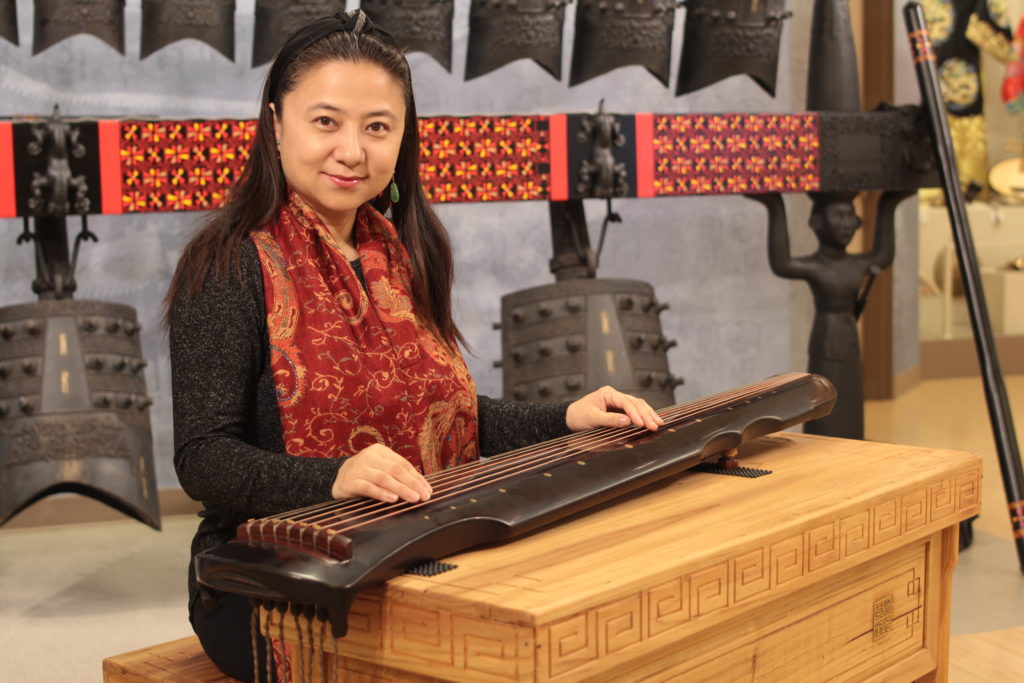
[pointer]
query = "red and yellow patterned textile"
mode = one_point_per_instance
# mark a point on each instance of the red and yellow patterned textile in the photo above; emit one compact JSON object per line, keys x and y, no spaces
{"x":484,"y":158}
{"x":735,"y":153}
{"x":355,"y":367}
{"x":181,"y":165}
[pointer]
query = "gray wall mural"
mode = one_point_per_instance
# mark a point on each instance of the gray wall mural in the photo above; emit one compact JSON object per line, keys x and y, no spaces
{"x":735,"y":322}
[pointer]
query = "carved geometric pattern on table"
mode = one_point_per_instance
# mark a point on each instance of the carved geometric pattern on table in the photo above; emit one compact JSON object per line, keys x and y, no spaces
{"x":440,"y":641}
{"x":735,"y":153}
{"x":437,"y":639}
{"x":364,"y":622}
{"x":421,"y":633}
{"x":487,"y":647}
{"x":576,"y":640}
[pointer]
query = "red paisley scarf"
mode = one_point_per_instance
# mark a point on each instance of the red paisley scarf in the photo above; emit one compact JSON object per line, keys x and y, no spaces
{"x":355,"y":367}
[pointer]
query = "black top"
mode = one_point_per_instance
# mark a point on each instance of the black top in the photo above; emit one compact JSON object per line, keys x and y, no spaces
{"x":357,"y":266}
{"x":228,"y":445}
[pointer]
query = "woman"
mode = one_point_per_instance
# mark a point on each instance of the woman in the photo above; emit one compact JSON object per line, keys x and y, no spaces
{"x":313,"y":349}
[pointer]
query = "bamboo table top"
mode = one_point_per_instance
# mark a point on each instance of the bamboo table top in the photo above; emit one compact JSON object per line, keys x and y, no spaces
{"x":827,"y":501}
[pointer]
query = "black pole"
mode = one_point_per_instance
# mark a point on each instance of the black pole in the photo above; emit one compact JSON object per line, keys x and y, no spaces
{"x":53,"y":265}
{"x":995,"y":388}
{"x":573,"y":258}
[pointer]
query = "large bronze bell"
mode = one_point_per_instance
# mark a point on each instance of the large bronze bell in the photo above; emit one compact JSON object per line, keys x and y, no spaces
{"x":73,"y":407}
{"x":563,"y":340}
{"x":74,"y":415}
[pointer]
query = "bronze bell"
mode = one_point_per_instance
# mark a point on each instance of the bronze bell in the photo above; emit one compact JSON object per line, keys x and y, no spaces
{"x":605,"y":332}
{"x":69,"y":420}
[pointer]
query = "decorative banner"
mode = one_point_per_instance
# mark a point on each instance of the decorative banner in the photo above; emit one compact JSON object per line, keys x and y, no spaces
{"x":180,"y":165}
{"x":484,"y":158}
{"x":108,"y":135}
{"x":735,"y":154}
{"x":602,"y":155}
{"x":8,"y":202}
{"x":54,"y":166}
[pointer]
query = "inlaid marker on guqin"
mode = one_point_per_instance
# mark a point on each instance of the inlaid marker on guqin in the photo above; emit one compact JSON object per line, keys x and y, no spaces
{"x":319,"y":557}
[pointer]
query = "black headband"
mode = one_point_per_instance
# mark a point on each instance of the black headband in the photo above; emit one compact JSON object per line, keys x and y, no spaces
{"x":354,"y":21}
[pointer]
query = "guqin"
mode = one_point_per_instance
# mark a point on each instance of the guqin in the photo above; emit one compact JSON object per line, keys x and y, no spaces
{"x":318,"y":558}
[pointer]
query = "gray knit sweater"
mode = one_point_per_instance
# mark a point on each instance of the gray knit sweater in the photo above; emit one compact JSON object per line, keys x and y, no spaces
{"x":228,"y":445}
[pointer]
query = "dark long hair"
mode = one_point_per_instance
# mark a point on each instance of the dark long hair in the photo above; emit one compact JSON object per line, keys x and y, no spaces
{"x":261,"y":190}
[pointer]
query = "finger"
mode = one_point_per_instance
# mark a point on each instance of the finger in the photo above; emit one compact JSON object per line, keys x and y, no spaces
{"x":638,"y":410}
{"x":401,"y":488}
{"x":403,"y":471}
{"x":627,"y":404}
{"x":634,"y":414}
{"x":411,"y":478}
{"x":608,"y":397}
{"x":400,"y":469}
{"x":606,"y":409}
{"x":365,"y":487}
{"x":613,"y":419}
{"x":651,"y":418}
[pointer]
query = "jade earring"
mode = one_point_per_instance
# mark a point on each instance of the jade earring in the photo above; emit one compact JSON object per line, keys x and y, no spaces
{"x":394,"y":192}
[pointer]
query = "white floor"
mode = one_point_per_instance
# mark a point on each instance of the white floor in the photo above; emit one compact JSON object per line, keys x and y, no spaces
{"x":72,"y":595}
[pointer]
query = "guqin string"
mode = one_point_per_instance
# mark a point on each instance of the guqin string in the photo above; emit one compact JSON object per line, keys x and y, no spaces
{"x":343,"y":516}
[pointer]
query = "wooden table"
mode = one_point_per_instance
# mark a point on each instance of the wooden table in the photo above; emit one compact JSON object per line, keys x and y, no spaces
{"x":837,"y":565}
{"x":178,"y":661}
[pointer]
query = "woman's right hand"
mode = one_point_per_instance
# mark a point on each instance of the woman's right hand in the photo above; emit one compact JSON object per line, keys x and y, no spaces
{"x":378,"y":472}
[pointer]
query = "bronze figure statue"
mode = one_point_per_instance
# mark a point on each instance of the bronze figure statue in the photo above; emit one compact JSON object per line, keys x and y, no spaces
{"x":840,"y":282}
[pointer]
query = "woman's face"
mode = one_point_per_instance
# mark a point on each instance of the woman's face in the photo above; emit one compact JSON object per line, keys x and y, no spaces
{"x":339,"y":131}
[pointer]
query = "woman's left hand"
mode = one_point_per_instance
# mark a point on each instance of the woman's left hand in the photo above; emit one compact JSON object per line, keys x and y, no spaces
{"x":608,"y":407}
